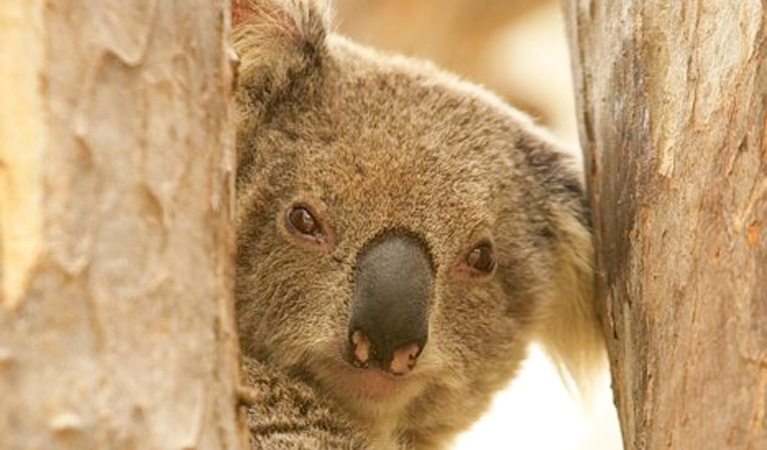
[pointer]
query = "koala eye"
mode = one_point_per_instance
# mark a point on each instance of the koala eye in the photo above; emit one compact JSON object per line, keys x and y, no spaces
{"x":481,"y":258}
{"x":308,"y":224}
{"x":303,"y":221}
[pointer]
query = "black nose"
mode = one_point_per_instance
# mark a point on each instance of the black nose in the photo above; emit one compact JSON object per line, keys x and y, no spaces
{"x":389,"y":320}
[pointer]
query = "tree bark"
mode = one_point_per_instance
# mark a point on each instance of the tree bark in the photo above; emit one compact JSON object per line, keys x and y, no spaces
{"x":672,"y":108}
{"x":116,"y":226}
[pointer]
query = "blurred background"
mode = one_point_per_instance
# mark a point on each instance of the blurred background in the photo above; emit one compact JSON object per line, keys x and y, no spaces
{"x":516,"y":48}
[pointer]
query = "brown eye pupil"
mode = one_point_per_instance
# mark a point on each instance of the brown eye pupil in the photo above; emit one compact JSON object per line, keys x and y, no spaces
{"x":481,"y":258}
{"x":303,"y":221}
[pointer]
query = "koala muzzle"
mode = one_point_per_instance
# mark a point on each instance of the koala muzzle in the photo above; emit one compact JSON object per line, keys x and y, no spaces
{"x":389,"y":321}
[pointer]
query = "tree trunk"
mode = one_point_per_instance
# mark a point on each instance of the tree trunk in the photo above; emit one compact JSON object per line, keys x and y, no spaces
{"x":116,"y":226}
{"x":672,"y":108}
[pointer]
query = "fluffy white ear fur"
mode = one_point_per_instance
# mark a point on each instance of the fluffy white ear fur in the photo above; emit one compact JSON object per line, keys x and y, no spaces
{"x":570,"y":330}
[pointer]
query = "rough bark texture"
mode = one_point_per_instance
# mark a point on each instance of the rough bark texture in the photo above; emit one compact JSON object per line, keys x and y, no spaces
{"x":116,"y":191}
{"x":671,"y":104}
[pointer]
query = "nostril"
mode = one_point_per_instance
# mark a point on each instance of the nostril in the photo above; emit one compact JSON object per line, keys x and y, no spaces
{"x":404,"y":358}
{"x":361,"y":348}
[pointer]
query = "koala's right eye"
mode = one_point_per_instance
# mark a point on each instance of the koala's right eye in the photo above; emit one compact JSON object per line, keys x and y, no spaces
{"x":303,"y":221}
{"x":481,"y":258}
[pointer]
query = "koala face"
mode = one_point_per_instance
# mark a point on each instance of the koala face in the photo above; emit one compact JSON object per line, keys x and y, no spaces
{"x":402,"y":235}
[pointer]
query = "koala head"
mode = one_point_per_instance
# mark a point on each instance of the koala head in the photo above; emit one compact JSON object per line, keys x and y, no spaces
{"x":402,"y":234}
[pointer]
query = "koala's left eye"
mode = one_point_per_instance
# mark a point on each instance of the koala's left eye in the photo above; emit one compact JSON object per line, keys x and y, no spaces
{"x":303,"y":221}
{"x":481,"y":258}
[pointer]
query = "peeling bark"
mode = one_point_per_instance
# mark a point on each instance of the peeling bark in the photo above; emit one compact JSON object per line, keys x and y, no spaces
{"x":672,"y":105}
{"x":116,"y":226}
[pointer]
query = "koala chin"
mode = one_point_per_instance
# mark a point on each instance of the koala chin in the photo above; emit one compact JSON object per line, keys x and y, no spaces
{"x":402,"y":236}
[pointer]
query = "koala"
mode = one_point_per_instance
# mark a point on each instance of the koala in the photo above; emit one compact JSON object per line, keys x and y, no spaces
{"x":402,"y":237}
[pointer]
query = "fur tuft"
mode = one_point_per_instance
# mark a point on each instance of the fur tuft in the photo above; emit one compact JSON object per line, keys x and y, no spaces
{"x":570,"y":328}
{"x":277,"y":40}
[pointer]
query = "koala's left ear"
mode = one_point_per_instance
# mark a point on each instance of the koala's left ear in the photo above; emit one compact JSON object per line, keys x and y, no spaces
{"x":277,"y":41}
{"x":568,"y":325}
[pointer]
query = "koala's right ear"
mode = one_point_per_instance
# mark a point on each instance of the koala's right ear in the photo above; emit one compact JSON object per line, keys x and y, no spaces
{"x":277,"y":42}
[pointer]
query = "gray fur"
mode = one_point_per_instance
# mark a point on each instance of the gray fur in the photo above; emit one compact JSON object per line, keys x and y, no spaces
{"x":288,"y":414}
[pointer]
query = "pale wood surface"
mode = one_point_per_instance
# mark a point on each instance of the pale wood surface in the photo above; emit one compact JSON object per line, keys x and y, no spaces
{"x":116,"y":191}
